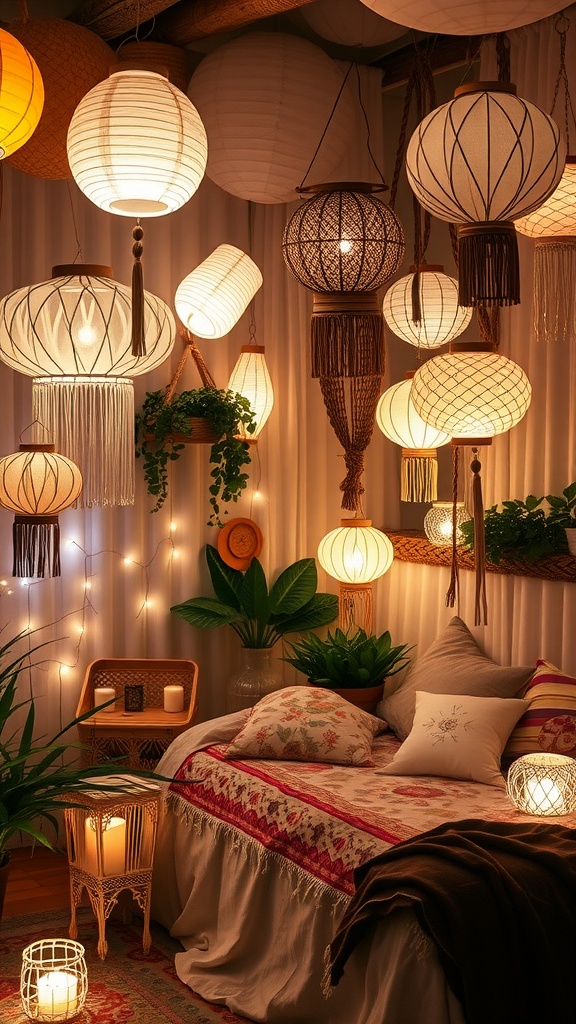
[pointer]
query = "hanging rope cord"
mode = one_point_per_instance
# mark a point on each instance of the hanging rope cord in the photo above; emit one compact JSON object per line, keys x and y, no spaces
{"x":561,"y":25}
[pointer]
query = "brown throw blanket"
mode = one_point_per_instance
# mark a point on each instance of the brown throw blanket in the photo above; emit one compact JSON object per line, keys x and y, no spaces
{"x":499,"y":901}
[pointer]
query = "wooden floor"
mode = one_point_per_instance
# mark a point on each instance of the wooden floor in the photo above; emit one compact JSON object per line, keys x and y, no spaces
{"x":38,"y":880}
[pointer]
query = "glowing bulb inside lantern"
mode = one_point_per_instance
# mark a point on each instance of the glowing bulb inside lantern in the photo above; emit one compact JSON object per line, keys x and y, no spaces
{"x":354,"y":562}
{"x":543,"y":796}
{"x":345,"y":245}
{"x":86,"y":334}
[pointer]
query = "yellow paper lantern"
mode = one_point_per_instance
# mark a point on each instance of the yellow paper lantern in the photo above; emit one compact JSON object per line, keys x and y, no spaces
{"x":212,"y":298}
{"x":355,"y":554}
{"x":399,"y":422}
{"x":250,"y":378}
{"x":441,"y":317}
{"x":21,"y":94}
{"x":543,"y":784}
{"x":465,"y":17}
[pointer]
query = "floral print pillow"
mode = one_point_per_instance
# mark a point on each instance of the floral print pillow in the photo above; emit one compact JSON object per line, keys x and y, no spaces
{"x":307,"y":723}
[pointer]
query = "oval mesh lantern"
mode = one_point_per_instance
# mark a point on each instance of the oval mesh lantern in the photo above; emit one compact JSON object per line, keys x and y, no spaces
{"x":442,"y":319}
{"x":355,"y":554}
{"x":21,"y":94}
{"x":553,"y":228}
{"x":349,"y":23}
{"x":72,"y":61}
{"x":400,"y":423}
{"x":37,"y":484}
{"x":481,"y":161}
{"x":465,"y":17}
{"x":265,"y":99}
{"x":212,"y":298}
{"x":251,"y":379}
{"x":543,"y":784}
{"x":439,"y":523}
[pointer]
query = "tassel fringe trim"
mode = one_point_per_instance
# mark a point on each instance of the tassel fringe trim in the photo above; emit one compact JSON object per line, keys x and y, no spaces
{"x":347,"y":345}
{"x":488,"y":265}
{"x":36,"y":547}
{"x":554,"y":291}
{"x":419,"y":479}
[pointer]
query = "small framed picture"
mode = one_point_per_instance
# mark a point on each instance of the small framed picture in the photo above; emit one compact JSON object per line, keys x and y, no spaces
{"x":134,"y":698}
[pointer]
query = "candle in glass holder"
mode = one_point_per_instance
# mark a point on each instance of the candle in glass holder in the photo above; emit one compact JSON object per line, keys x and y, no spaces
{"x":57,"y":994}
{"x":103,"y":694}
{"x":113,"y":846}
{"x":173,"y":698}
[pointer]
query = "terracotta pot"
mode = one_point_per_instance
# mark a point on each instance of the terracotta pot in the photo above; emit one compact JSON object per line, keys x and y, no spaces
{"x":4,"y":869}
{"x":364,"y":697}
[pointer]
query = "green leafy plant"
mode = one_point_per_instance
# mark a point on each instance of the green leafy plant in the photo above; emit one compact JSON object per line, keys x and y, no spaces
{"x":563,"y":507}
{"x":161,"y":425}
{"x":347,"y":660}
{"x":518,"y":529}
{"x":259,"y":615}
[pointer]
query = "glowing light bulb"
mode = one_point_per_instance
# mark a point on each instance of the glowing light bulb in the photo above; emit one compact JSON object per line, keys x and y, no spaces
{"x":24,"y":583}
{"x":80,"y":630}
{"x":354,"y":562}
{"x":345,"y":245}
{"x":87,"y":585}
{"x":4,"y":583}
{"x":86,"y":334}
{"x":172,"y":526}
{"x":128,"y":560}
{"x":175,"y":553}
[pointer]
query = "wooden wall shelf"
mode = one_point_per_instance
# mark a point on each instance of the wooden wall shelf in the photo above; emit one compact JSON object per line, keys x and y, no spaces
{"x":414,"y":546}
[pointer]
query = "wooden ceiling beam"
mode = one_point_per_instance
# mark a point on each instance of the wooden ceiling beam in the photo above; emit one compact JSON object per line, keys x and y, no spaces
{"x":110,"y":19}
{"x":443,"y":53}
{"x":186,"y":21}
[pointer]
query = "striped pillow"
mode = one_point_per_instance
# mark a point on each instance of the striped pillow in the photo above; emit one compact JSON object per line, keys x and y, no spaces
{"x":550,"y":721}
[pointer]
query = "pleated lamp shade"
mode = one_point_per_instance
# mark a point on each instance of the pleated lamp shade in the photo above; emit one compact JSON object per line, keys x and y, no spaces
{"x":553,"y":228}
{"x":481,"y":161}
{"x":349,"y":23}
{"x":37,"y":484}
{"x":72,"y":334}
{"x":439,"y":522}
{"x":465,"y":17}
{"x":250,"y":378}
{"x":72,"y":61}
{"x":212,"y":298}
{"x":471,"y":393}
{"x":441,"y":318}
{"x":21,"y":94}
{"x":399,"y":422}
{"x":355,"y":554}
{"x":265,"y":99}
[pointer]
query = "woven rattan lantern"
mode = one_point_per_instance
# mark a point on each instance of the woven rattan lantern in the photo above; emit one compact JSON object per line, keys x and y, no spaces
{"x":441,"y":318}
{"x":137,"y":148}
{"x":72,"y":61}
{"x":439,"y":522}
{"x":37,"y":484}
{"x":481,"y":161}
{"x":553,"y":228}
{"x":400,"y":423}
{"x":21,"y":94}
{"x":250,"y":378}
{"x":212,"y":298}
{"x":543,"y":784}
{"x":265,"y":99}
{"x":349,"y":23}
{"x":465,"y":17}
{"x":53,"y":980}
{"x":72,"y":334}
{"x":355,"y":554}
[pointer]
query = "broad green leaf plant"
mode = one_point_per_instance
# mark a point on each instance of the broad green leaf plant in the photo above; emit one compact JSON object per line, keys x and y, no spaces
{"x":260,"y":616}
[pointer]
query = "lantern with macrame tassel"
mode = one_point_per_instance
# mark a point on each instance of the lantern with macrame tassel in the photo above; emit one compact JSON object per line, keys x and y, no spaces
{"x":472,"y":393}
{"x":355,"y":554}
{"x":137,"y":148}
{"x":400,"y":423}
{"x":37,"y":484}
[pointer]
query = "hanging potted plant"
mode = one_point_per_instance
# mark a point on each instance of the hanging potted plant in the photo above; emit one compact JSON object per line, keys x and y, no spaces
{"x":204,"y":415}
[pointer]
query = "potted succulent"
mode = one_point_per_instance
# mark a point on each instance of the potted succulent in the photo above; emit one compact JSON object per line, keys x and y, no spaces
{"x":259,"y":615}
{"x":164,"y":428}
{"x":563,"y":513}
{"x":353,"y":664}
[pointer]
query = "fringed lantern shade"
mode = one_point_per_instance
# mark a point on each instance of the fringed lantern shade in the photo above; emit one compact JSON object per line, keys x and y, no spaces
{"x":440,"y":319}
{"x":471,"y":393}
{"x":439,"y":522}
{"x":37,"y":484}
{"x":543,"y":784}
{"x":553,"y":228}
{"x":355,"y":554}
{"x":400,"y":423}
{"x":465,"y":17}
{"x":250,"y":378}
{"x":212,"y":298}
{"x":349,"y":23}
{"x":481,"y":161}
{"x":21,"y":94}
{"x":265,"y":99}
{"x":72,"y":61}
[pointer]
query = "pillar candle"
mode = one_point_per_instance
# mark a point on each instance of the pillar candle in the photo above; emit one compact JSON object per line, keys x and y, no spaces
{"x":102,"y":694}
{"x":113,"y":846}
{"x":173,"y":698}
{"x":57,"y":994}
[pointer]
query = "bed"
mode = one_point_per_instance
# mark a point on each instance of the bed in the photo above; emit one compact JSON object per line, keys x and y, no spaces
{"x":255,"y":862}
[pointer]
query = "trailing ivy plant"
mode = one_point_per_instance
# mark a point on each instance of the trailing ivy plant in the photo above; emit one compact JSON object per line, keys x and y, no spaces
{"x":159,"y":423}
{"x":519,"y":529}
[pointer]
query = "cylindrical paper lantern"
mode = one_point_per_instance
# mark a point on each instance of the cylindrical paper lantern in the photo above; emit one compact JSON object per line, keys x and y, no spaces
{"x":553,"y":228}
{"x":441,"y":320}
{"x":439,"y":522}
{"x":212,"y":298}
{"x":37,"y":484}
{"x":543,"y":784}
{"x":72,"y":61}
{"x":349,"y":23}
{"x":355,"y":554}
{"x":400,"y":423}
{"x":482,"y":160}
{"x":21,"y":94}
{"x":465,"y":17}
{"x":250,"y":378}
{"x":265,"y":99}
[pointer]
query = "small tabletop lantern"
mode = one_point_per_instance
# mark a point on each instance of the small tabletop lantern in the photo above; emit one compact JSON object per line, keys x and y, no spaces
{"x":53,"y":981}
{"x":543,"y":784}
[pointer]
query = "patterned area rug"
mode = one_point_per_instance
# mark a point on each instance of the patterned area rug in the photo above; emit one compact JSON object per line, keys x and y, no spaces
{"x":127,"y":987}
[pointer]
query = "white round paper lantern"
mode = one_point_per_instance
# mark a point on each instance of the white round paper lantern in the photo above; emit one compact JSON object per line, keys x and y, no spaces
{"x":442,"y":319}
{"x":349,"y":23}
{"x":212,"y":298}
{"x":356,"y":553}
{"x":465,"y":17}
{"x":136,"y":145}
{"x":265,"y":99}
{"x":250,"y":378}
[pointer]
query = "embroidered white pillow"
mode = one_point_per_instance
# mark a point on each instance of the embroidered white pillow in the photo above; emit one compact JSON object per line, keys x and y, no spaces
{"x":457,"y":736}
{"x":307,"y":723}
